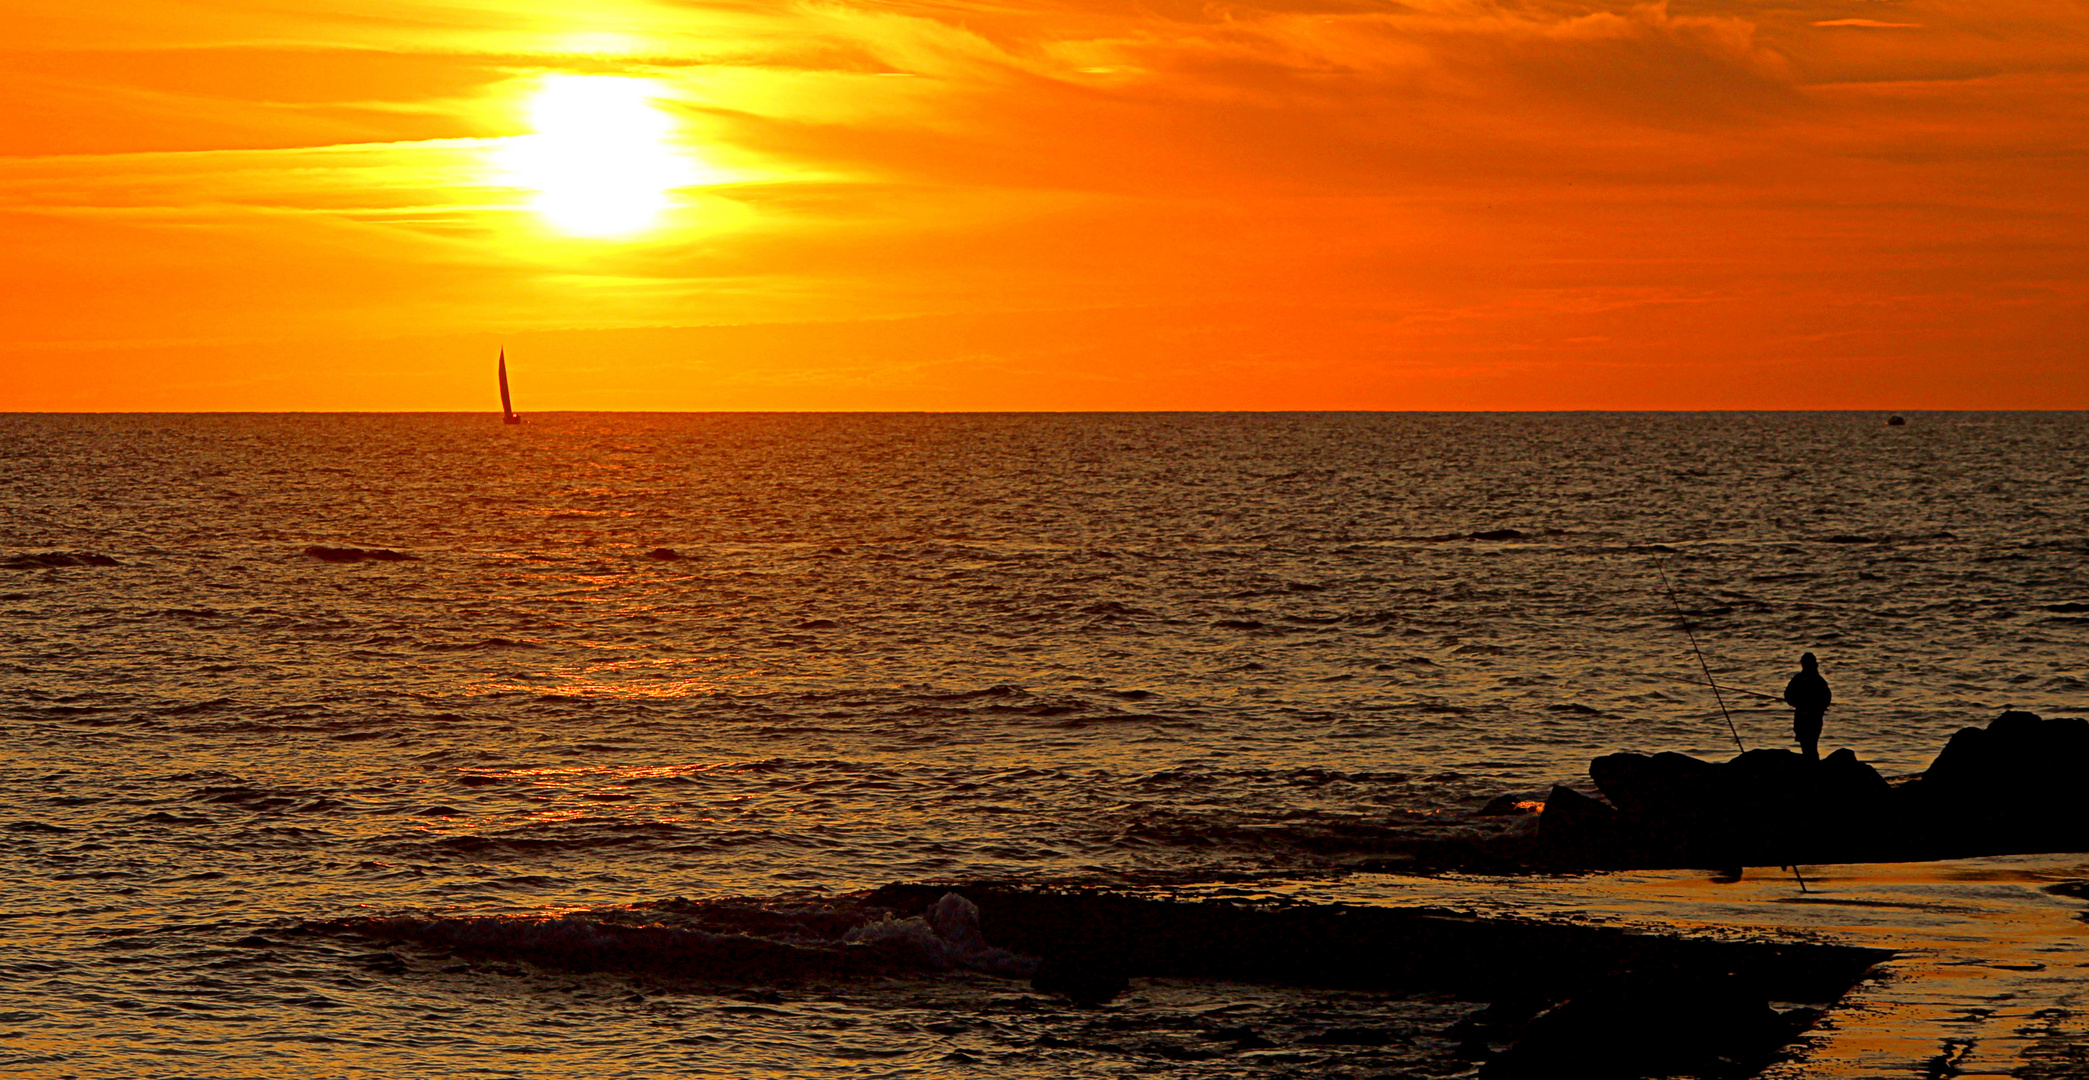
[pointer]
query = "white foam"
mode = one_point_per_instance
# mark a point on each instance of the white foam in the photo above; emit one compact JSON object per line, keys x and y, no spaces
{"x":947,"y":937}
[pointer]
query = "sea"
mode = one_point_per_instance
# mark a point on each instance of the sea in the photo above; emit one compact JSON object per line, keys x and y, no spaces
{"x":724,"y":673}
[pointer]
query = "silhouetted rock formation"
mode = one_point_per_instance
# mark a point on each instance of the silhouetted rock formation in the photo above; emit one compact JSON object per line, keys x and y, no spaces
{"x":2005,"y":789}
{"x":665,"y":555}
{"x":55,"y":558}
{"x":2015,"y":781}
{"x":1567,"y":999}
{"x":1664,"y":1023}
{"x":1577,"y":830}
{"x":349,"y":554}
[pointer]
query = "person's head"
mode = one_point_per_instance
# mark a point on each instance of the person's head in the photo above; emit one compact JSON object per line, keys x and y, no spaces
{"x":1808,"y":662}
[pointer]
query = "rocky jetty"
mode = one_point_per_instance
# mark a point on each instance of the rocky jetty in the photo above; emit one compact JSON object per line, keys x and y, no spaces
{"x":1562,"y":999}
{"x":2000,"y":790}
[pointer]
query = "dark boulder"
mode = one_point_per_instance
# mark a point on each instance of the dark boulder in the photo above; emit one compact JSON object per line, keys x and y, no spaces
{"x":2016,"y":748}
{"x":2008,"y":787}
{"x":1772,"y":803}
{"x":665,"y":554}
{"x":2004,"y":789}
{"x":49,"y":559}
{"x":1661,"y":785}
{"x":1851,"y":790}
{"x":1501,"y":1021}
{"x":1651,"y":1024}
{"x":1845,"y":776}
{"x":1509,"y":806}
{"x":1785,"y":770}
{"x":1703,"y":988}
{"x":1764,"y":807}
{"x":1578,"y":828}
{"x":351,"y":555}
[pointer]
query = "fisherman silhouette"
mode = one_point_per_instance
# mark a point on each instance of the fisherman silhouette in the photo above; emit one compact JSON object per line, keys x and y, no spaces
{"x":1809,"y":697}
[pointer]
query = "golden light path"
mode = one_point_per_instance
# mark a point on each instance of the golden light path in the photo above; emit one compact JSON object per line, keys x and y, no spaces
{"x":603,"y":160}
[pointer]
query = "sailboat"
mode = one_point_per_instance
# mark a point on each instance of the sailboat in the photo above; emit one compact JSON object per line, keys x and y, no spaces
{"x":507,"y":411}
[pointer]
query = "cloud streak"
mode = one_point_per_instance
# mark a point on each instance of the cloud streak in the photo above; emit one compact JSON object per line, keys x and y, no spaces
{"x":1596,"y":198}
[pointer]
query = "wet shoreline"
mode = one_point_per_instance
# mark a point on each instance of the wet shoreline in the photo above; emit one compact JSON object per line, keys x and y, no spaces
{"x":1976,"y":962}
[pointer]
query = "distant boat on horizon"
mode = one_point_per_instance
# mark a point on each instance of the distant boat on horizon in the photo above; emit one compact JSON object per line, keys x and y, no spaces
{"x":507,"y":410}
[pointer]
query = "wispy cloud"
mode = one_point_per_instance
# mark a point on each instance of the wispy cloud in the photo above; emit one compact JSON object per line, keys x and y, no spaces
{"x":1566,"y":185}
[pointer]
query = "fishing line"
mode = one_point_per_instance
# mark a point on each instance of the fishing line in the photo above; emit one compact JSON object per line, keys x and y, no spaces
{"x":1728,"y":687}
{"x":1714,"y":684}
{"x":1709,"y":680}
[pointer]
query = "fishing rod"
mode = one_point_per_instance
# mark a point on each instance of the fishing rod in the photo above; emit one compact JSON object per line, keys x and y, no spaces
{"x":1714,"y":684}
{"x":1709,"y":680}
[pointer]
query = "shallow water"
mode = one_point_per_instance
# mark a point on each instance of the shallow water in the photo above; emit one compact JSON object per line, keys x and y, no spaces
{"x":1991,"y":976}
{"x":1119,"y":648}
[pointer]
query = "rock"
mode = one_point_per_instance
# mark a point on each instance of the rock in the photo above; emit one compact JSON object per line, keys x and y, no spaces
{"x":2004,"y":789}
{"x":1844,"y":778}
{"x":1764,"y":807}
{"x":1576,"y":827}
{"x":1659,"y":785}
{"x":666,"y":555}
{"x":1652,"y":1024}
{"x":55,"y":559}
{"x":1566,"y":808}
{"x":2007,"y":788}
{"x":349,"y":554}
{"x":1509,"y":806}
{"x":1499,"y":1021}
{"x":1096,"y":936}
{"x":1770,"y":790}
{"x":2015,"y":748}
{"x":1676,"y":807}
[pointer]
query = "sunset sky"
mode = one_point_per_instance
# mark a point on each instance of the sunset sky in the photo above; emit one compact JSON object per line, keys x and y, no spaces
{"x":1045,"y":204}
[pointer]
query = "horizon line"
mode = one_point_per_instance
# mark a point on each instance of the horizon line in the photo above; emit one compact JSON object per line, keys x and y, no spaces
{"x":1009,"y":412}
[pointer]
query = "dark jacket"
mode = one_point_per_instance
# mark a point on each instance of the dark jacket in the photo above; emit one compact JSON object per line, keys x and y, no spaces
{"x":1808,"y":692}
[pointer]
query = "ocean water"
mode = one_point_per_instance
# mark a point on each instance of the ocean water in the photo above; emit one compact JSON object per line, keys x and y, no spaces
{"x":1143,"y":650}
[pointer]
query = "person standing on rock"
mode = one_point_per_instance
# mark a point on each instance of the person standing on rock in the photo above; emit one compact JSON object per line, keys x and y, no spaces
{"x":1809,"y":697}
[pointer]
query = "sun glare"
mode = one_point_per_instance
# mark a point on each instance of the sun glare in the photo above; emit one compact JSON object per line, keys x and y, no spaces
{"x":603,"y":160}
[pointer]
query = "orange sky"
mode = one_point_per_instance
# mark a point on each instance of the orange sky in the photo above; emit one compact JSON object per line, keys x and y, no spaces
{"x":1044,"y":204}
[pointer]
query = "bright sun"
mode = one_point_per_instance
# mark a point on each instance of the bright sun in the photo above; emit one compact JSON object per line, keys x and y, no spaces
{"x":603,"y":160}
